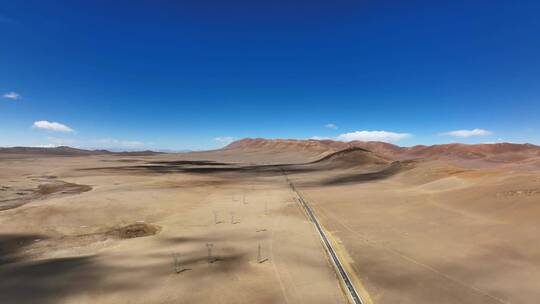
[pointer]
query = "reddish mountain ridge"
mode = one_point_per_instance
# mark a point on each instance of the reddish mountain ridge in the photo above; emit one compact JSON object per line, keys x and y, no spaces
{"x":350,"y":157}
{"x":311,"y":145}
{"x":498,"y":152}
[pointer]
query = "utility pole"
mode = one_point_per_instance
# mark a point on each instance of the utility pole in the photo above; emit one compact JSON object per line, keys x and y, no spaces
{"x":260,"y":259}
{"x":177,"y":266}
{"x":210,"y":259}
{"x":233,"y":220}
{"x":216,"y":220}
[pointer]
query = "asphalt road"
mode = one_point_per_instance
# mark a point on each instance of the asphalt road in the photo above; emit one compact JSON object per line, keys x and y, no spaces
{"x":353,"y":294}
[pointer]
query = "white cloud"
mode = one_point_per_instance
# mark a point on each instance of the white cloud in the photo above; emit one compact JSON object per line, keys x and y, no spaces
{"x":103,"y":143}
{"x":60,"y":141}
{"x":111,"y":142}
{"x":12,"y":95}
{"x":373,"y":136}
{"x":224,"y":139}
{"x":331,"y":126}
{"x":468,"y":133}
{"x":132,"y":143}
{"x":52,"y":126}
{"x":319,"y":138}
{"x":45,"y":146}
{"x":55,"y":142}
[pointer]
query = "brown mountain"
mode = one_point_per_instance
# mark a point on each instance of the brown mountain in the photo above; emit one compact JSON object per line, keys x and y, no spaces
{"x":499,"y":152}
{"x":311,"y":145}
{"x":350,"y":157}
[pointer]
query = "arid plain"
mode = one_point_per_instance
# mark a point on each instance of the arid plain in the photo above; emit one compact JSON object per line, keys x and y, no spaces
{"x":453,"y":224}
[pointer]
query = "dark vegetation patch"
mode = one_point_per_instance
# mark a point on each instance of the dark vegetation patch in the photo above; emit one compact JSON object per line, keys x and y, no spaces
{"x":520,"y":192}
{"x":62,"y":187}
{"x":195,"y":183}
{"x":134,"y":231}
{"x":125,"y":160}
{"x":47,"y":177}
{"x":191,"y":162}
{"x":42,"y":191}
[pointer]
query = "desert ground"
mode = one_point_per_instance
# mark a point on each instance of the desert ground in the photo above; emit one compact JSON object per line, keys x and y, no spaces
{"x":136,"y":228}
{"x":439,"y":234}
{"x":68,"y":247}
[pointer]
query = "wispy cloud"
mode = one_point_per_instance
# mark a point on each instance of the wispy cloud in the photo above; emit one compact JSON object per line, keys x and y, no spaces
{"x":60,"y":141}
{"x":51,"y":126}
{"x":331,"y":126}
{"x":224,"y":139}
{"x":319,"y":138}
{"x":12,"y":96}
{"x":115,"y":143}
{"x":385,"y":136}
{"x":467,"y":133}
{"x":55,"y":142}
{"x":45,"y":146}
{"x":103,"y":143}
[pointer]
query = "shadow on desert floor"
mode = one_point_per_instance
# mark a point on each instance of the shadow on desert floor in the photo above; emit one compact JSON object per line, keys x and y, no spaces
{"x":193,"y":167}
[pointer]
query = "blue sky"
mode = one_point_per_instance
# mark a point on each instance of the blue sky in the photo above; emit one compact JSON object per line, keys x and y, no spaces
{"x":196,"y":74}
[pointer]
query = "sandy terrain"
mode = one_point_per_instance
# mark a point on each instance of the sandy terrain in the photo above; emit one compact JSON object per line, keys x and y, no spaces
{"x":437,"y":233}
{"x":116,"y":243}
{"x":107,"y":229}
